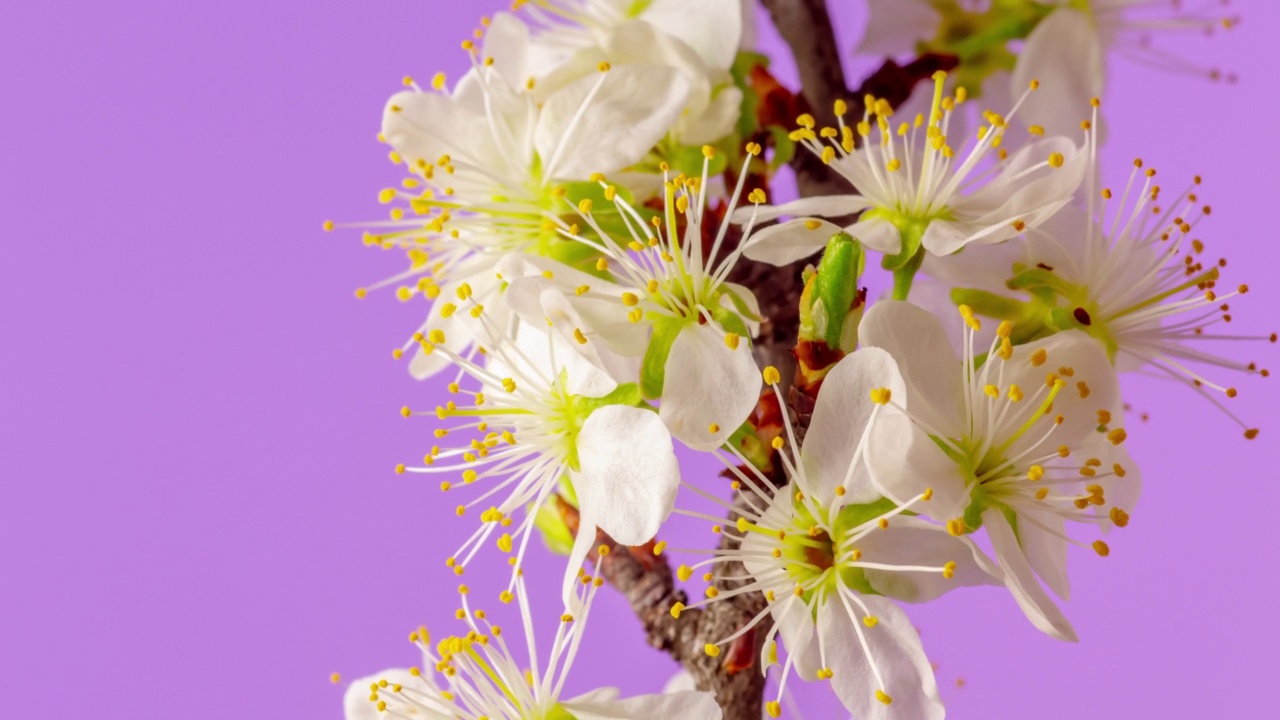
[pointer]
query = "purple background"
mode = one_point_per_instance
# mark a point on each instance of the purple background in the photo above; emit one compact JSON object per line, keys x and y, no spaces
{"x":198,"y":422}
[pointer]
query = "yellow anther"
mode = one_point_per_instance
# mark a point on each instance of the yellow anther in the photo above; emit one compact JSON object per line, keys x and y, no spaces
{"x":335,"y":678}
{"x":1056,"y":160}
{"x":731,"y":340}
{"x":772,"y":376}
{"x":1035,"y":473}
{"x":684,"y":572}
{"x":712,"y":650}
{"x":1119,"y":517}
{"x":777,"y":443}
{"x":577,"y":335}
{"x":881,"y":395}
{"x":871,"y":621}
{"x":1101,"y":548}
{"x":949,"y":570}
{"x":956,"y":527}
{"x":1117,"y":436}
{"x":883,"y":697}
{"x":1015,"y":393}
{"x":400,"y":469}
{"x":1039,"y":357}
{"x":584,"y":206}
{"x":713,"y":428}
{"x":604,"y":66}
{"x":806,"y":121}
{"x":1042,"y":493}
{"x":991,"y":391}
{"x":774,"y":708}
{"x":659,"y":546}
{"x":361,"y":293}
{"x":676,"y":609}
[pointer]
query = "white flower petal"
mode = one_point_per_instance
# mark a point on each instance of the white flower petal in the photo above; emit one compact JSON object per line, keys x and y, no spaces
{"x":1021,"y":580}
{"x":1091,"y":386}
{"x":789,"y":241}
{"x":635,"y":106}
{"x":820,"y":205}
{"x":905,"y":462}
{"x":707,"y":384}
{"x":910,"y":541}
{"x":713,"y":28}
{"x":685,"y":704}
{"x":357,"y":706}
{"x":1046,"y":551}
{"x":629,"y":474}
{"x":506,"y":41}
{"x":878,"y":234}
{"x":897,"y":653}
{"x":839,"y":423}
{"x":928,"y":365}
{"x":1065,"y":54}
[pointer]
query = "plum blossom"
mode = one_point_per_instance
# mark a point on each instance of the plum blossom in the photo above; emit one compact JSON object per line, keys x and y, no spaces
{"x":828,"y":551}
{"x":1019,"y":441}
{"x":541,"y":410}
{"x":667,"y":298}
{"x":477,"y":676}
{"x":488,"y":166}
{"x":914,"y":190}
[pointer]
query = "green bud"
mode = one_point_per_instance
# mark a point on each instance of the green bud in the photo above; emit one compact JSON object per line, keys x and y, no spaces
{"x":834,"y":292}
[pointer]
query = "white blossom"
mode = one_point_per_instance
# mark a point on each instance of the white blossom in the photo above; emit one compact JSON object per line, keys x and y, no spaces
{"x":477,"y":676}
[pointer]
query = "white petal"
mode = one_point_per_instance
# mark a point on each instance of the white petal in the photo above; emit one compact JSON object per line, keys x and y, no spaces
{"x":839,"y":423}
{"x":1021,"y":581}
{"x":910,"y":541}
{"x":989,"y":214}
{"x":708,"y":384}
{"x":799,"y":635}
{"x":506,"y":40}
{"x":679,"y":682}
{"x":905,"y":462}
{"x":1065,"y":54}
{"x":713,"y":28}
{"x":820,"y":205}
{"x":895,"y":26}
{"x":1046,"y":551}
{"x":1092,"y":386}
{"x":789,"y":241}
{"x":929,"y":367}
{"x":357,"y":706}
{"x":898,"y":655}
{"x":716,"y":120}
{"x":877,"y":234}
{"x":685,"y":704}
{"x":944,"y":237}
{"x":635,"y":106}
{"x":629,"y":474}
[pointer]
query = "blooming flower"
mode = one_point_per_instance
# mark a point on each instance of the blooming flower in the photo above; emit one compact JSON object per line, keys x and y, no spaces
{"x":476,"y":676}
{"x":1065,"y":42}
{"x":1019,"y":441}
{"x":544,"y":411}
{"x":669,"y":300}
{"x":914,"y":190}
{"x":828,"y":550}
{"x":489,"y":166}
{"x":700,"y":40}
{"x":1127,"y":271}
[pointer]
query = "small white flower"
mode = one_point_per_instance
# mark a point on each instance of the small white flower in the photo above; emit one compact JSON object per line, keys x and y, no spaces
{"x":669,"y":301}
{"x":489,"y":165}
{"x":827,"y":551}
{"x":1128,"y":271}
{"x":477,"y":677}
{"x":698,"y":40}
{"x":1020,"y":440}
{"x":915,"y":190}
{"x":543,"y":411}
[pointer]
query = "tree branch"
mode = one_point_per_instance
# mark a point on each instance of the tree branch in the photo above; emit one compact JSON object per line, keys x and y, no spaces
{"x":646,"y":579}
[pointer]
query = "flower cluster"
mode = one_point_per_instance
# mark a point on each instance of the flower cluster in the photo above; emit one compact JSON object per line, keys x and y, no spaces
{"x":586,"y":214}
